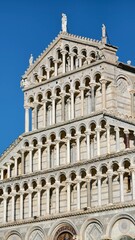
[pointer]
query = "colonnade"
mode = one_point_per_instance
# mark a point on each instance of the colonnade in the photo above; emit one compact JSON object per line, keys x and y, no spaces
{"x":42,"y":197}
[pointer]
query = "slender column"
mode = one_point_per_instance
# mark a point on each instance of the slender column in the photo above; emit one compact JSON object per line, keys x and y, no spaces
{"x":68,"y":108}
{"x":89,"y":108}
{"x":82,"y":100}
{"x":88,"y":144}
{"x":80,"y":60}
{"x":132,"y":92}
{"x":44,"y":113}
{"x":48,"y":73}
{"x":110,"y":190}
{"x":88,"y":193}
{"x":30,"y":203}
{"x":35,"y":116}
{"x":78,"y":146}
{"x":68,"y":196}
{"x":39,"y":202}
{"x":5,"y":209}
{"x":98,"y":140}
{"x":103,"y":82}
{"x":62,"y":107}
{"x":13,"y":206}
{"x":21,"y":205}
{"x":99,"y":189}
{"x":127,"y":143}
{"x":2,"y":173}
{"x":57,"y":152}
{"x":8,"y":170}
{"x":53,"y":110}
{"x":39,"y":157}
{"x":31,"y":168}
{"x":50,"y":114}
{"x":48,"y":199}
{"x":55,"y":67}
{"x":26,"y":119}
{"x":133,"y":183}
{"x":121,"y":186}
{"x":117,"y":139}
{"x":68,"y":149}
{"x":22,"y":162}
{"x":48,"y":155}
{"x":92,"y":97}
{"x":78,"y":195}
{"x":16,"y":161}
{"x":57,"y":197}
{"x":72,"y":60}
{"x":63,"y":61}
{"x":108,"y":138}
{"x":72,"y":104}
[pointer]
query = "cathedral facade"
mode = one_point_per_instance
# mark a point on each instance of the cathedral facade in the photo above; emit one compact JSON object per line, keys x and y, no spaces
{"x":71,"y":174}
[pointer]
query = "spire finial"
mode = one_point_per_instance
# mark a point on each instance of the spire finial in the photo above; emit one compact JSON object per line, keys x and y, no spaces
{"x":64,"y":22}
{"x":104,"y":35}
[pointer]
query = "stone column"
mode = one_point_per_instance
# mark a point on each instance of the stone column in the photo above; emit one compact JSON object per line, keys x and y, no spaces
{"x":44,"y":113}
{"x":88,"y":193}
{"x":48,"y":73}
{"x":22,"y":161}
{"x":53,"y":110}
{"x":99,"y":189}
{"x":8,"y":170}
{"x":57,"y":197}
{"x":98,"y":140}
{"x":132,"y":92}
{"x":35,"y":116}
{"x":78,"y":146}
{"x":133,"y":182}
{"x":48,"y":199}
{"x":48,"y":154}
{"x":82,"y":100}
{"x":50,"y":114}
{"x":80,"y":60}
{"x":68,"y":196}
{"x":72,"y":104}
{"x":121,"y":185}
{"x":127,"y":143}
{"x":68,"y":109}
{"x":88,"y":144}
{"x":110,"y":189}
{"x":56,"y":67}
{"x":2,"y":172}
{"x":108,"y":138}
{"x":21,"y":205}
{"x":78,"y":194}
{"x":13,"y":206}
{"x":39,"y":202}
{"x":31,"y":167}
{"x":63,"y":60}
{"x":26,"y":118}
{"x":89,"y":108}
{"x":39,"y":157}
{"x":92,"y":85}
{"x":16,"y":165}
{"x":117,"y":139}
{"x":30,"y":203}
{"x":5,"y":208}
{"x":68,"y":149}
{"x":72,"y":60}
{"x":57,"y":152}
{"x":62,"y":107}
{"x":103,"y":82}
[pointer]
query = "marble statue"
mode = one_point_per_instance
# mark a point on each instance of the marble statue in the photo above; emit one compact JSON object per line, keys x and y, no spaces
{"x":103,"y":31}
{"x":64,"y":22}
{"x":31,"y":60}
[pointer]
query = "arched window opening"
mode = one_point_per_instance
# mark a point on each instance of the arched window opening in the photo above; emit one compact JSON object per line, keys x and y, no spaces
{"x":39,"y":98}
{"x":1,"y":192}
{"x":73,"y":176}
{"x":84,"y":54}
{"x":75,"y":58}
{"x":5,"y":174}
{"x":48,"y":95}
{"x":17,"y":188}
{"x":59,"y":55}
{"x":115,"y":167}
{"x":52,"y":138}
{"x":34,"y":143}
{"x":31,"y":100}
{"x":34,"y":184}
{"x":9,"y":190}
{"x":126,"y":164}
{"x":67,"y":89}
{"x":58,"y":91}
{"x":43,"y":182}
{"x":73,"y":132}
{"x":77,"y":85}
{"x":93,"y":172}
{"x":83,"y":174}
{"x":43,"y":140}
{"x":25,"y":186}
{"x":51,"y":63}
{"x":62,"y":135}
{"x":93,"y":56}
{"x":52,"y":180}
{"x":36,"y":80}
{"x":87,"y":82}
{"x":104,"y":170}
{"x":62,"y":178}
{"x":26,"y":144}
{"x":97,"y":78}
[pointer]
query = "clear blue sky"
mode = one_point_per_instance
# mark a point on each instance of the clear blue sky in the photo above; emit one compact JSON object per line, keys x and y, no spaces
{"x":28,"y":26}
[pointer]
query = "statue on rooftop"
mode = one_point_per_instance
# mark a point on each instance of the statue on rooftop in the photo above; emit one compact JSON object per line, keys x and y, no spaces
{"x":31,"y":60}
{"x":64,"y":22}
{"x":104,"y":35}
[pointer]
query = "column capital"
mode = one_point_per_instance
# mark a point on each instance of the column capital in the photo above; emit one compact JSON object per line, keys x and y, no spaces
{"x":126,"y":131}
{"x":116,"y":128}
{"x":72,"y":54}
{"x":103,"y":81}
{"x":26,"y":106}
{"x":63,"y":51}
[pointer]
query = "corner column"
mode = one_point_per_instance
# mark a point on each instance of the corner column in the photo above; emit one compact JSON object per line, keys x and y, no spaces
{"x":26,"y":118}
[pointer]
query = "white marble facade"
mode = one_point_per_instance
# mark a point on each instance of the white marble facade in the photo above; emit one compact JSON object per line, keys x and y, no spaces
{"x":71,"y":174}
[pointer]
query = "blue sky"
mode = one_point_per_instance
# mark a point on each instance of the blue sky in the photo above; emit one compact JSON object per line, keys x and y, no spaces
{"x":28,"y":26}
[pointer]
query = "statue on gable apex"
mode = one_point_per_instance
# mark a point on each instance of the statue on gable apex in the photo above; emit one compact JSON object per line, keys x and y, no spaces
{"x":31,"y":60}
{"x":104,"y":35}
{"x":64,"y":22}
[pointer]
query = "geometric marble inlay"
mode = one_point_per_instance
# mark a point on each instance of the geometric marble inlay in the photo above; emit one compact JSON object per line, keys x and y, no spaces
{"x":93,"y":232}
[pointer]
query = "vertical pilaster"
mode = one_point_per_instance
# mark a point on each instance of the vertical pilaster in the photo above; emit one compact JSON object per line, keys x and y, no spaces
{"x":110,"y":190}
{"x":5,"y":209}
{"x":21,"y":205}
{"x":57,"y":152}
{"x":26,"y":118}
{"x":48,"y":199}
{"x":88,"y":144}
{"x":68,"y":196}
{"x":57,"y":197}
{"x":108,"y":138}
{"x":53,"y":110}
{"x":68,"y":149}
{"x":48,"y":155}
{"x":92,"y":85}
{"x":78,"y":195}
{"x":35,"y":116}
{"x":98,"y":140}
{"x":13,"y":207}
{"x":121,"y":186}
{"x":78,"y":147}
{"x":30,"y":153}
{"x":72,"y":104}
{"x":99,"y":189}
{"x":39,"y":157}
{"x":117,"y":139}
{"x":44,"y":113}
{"x":82,"y":100}
{"x":103,"y":82}
{"x":133,"y":183}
